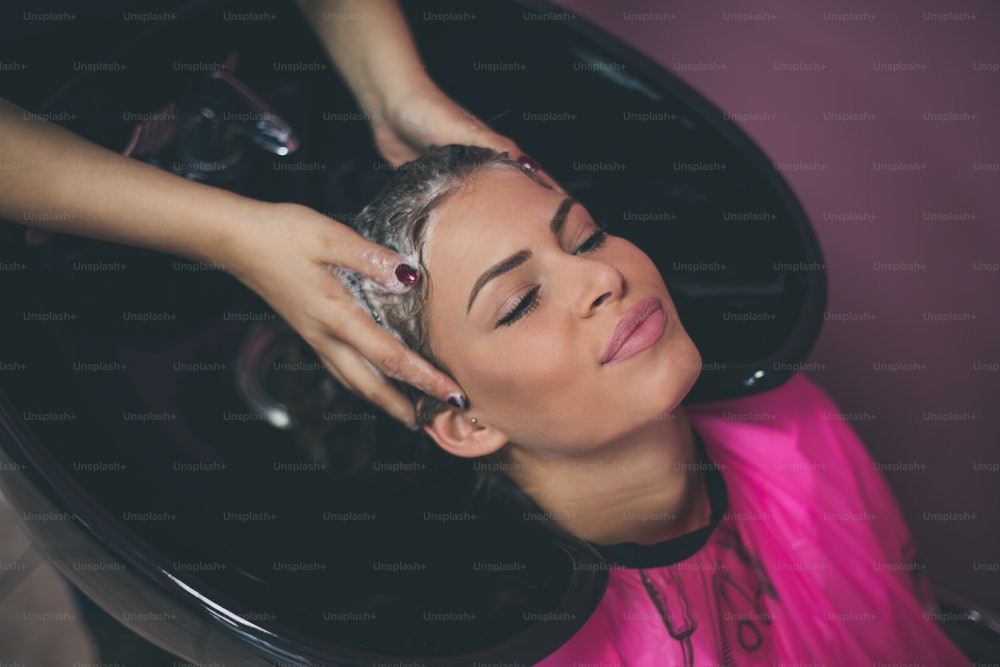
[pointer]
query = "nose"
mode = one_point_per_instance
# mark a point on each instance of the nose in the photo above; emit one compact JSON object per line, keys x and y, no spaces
{"x":596,"y":283}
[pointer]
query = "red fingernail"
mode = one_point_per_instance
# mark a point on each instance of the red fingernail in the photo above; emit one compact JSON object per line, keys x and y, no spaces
{"x":529,"y":162}
{"x":406,"y":274}
{"x":458,"y":400}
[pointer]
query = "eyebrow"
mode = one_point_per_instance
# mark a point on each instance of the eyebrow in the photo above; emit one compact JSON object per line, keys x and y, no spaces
{"x":521,"y":256}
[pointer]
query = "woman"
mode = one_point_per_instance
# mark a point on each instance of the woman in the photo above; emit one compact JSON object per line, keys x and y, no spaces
{"x":747,"y":532}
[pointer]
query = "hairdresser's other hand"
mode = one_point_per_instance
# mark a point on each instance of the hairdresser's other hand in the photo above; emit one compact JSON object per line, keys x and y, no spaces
{"x":374,"y":51}
{"x":421,"y":116}
{"x":285,"y":253}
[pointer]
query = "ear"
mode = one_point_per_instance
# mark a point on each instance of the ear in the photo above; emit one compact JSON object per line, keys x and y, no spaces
{"x":453,"y":433}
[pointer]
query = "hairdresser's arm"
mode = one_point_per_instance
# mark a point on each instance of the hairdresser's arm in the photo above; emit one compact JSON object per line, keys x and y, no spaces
{"x":373,"y":48}
{"x":64,"y":183}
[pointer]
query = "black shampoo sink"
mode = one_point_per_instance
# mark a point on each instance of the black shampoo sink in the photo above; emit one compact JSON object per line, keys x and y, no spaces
{"x":180,"y":454}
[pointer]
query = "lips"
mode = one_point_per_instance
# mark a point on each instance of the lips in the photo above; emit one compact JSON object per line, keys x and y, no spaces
{"x":632,"y":320}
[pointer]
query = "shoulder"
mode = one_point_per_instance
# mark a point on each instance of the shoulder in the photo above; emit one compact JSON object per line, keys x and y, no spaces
{"x":798,"y":397}
{"x":797,"y":424}
{"x":797,"y":404}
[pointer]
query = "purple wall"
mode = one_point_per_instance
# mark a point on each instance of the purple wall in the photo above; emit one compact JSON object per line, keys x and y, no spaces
{"x":905,"y":248}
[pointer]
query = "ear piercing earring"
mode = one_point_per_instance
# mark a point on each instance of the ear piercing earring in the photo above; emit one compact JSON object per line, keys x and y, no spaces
{"x":474,"y":420}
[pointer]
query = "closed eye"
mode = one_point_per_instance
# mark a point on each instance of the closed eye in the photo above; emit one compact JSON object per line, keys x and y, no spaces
{"x":531,"y":300}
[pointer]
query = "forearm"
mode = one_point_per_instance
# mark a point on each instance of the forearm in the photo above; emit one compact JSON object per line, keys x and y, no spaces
{"x":371,"y":44}
{"x":56,"y":180}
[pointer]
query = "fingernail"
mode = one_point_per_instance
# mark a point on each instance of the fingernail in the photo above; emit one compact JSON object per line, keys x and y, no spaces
{"x":458,"y":400}
{"x":413,"y":427}
{"x":529,"y":162}
{"x":406,"y":274}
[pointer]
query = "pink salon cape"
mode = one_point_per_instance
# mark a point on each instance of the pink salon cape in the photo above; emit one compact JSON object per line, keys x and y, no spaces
{"x":807,"y":560}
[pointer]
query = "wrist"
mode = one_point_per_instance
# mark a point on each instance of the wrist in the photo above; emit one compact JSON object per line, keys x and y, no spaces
{"x":386,"y":94}
{"x":375,"y":55}
{"x":229,"y":239}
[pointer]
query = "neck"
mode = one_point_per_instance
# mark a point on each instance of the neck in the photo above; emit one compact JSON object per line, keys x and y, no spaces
{"x":643,"y":488}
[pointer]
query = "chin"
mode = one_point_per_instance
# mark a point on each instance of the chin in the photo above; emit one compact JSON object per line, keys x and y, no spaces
{"x":678,"y":372}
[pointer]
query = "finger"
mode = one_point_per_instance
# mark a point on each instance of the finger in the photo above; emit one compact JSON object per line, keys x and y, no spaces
{"x":353,"y":325}
{"x":501,"y":144}
{"x":533,"y":165}
{"x":337,"y":375}
{"x":391,"y":357}
{"x":387,"y":267}
{"x":362,"y":379}
{"x":480,"y":134}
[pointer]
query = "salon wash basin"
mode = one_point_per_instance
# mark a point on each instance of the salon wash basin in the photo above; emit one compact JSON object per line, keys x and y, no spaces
{"x":166,"y":439}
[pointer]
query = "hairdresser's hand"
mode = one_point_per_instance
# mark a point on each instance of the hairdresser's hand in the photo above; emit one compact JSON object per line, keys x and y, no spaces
{"x":411,"y":122}
{"x":377,"y":57}
{"x":284,"y":255}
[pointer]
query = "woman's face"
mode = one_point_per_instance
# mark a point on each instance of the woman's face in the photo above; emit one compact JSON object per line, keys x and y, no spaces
{"x":538,"y":379}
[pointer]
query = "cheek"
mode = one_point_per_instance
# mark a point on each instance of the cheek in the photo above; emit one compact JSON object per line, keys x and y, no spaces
{"x":555,"y":400}
{"x":634,"y":262}
{"x":529,"y":386}
{"x":521,"y":371}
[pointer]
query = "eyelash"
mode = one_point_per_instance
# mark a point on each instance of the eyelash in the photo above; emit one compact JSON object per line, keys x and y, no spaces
{"x":595,"y":241}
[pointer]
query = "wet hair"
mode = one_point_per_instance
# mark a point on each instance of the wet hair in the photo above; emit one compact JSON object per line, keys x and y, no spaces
{"x":397,"y":218}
